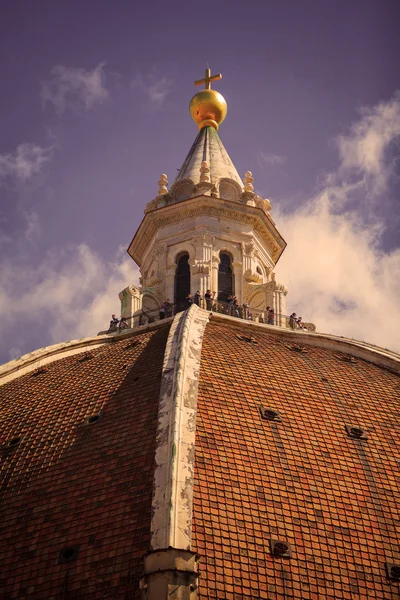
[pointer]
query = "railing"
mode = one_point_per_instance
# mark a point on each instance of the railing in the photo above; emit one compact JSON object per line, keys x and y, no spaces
{"x":247,"y":313}
{"x":143,"y":317}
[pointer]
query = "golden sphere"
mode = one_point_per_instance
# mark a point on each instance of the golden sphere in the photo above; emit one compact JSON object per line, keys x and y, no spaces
{"x":208,"y":107}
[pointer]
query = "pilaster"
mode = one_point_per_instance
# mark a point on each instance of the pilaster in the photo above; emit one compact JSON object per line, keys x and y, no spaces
{"x":237,"y":267}
{"x":214,"y":274}
{"x":170,"y":282}
{"x":131,"y":300}
{"x":248,"y":256}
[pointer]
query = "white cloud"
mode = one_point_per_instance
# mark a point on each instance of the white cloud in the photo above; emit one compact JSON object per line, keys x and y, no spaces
{"x":15,"y":352}
{"x":27,"y":161}
{"x":74,"y":88}
{"x":270,"y":160}
{"x":365,"y":149}
{"x":155,"y":88}
{"x":71,"y":294}
{"x":337,"y":274}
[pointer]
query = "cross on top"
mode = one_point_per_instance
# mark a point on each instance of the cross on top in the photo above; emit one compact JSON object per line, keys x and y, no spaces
{"x":208,"y":79}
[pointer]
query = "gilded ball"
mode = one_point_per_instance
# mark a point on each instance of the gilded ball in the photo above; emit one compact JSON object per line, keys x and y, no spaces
{"x":208,"y":107}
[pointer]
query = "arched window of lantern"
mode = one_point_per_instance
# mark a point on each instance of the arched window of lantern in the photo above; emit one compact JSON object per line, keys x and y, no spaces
{"x":182,"y":280}
{"x":226,"y":286}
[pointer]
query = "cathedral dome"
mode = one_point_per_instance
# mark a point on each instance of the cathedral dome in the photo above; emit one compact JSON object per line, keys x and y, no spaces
{"x":267,"y":456}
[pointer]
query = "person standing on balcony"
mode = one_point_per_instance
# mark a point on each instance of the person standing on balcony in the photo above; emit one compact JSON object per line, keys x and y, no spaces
{"x":235,"y":307}
{"x":271,"y":317}
{"x":300,"y":323}
{"x":293,"y":321}
{"x":113,"y":323}
{"x":230,"y":306}
{"x":208,"y":299}
{"x":168,"y":308}
{"x":197,"y":298}
{"x":123,"y":324}
{"x":189,"y":300}
{"x":162,"y":311}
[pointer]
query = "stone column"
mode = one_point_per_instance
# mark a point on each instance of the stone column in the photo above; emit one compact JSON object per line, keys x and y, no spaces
{"x":247,"y":254}
{"x":280,"y":294}
{"x":238,"y":273}
{"x":194,"y":276}
{"x":214,"y":275}
{"x":160,"y":255}
{"x":276,"y":298}
{"x":207,"y":249}
{"x":201,"y":264}
{"x":170,"y":282}
{"x":270,"y":297}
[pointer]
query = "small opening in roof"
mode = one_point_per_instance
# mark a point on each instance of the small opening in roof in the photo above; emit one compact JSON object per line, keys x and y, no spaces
{"x":39,"y":371}
{"x":297,"y":348}
{"x":86,"y":357}
{"x":280,"y":548}
{"x":346,"y":358}
{"x":269,"y":414}
{"x":247,"y":338}
{"x":393,"y":571}
{"x":68,"y":554}
{"x":132,"y":345}
{"x":14,"y":442}
{"x":93,"y":419}
{"x":356,"y":432}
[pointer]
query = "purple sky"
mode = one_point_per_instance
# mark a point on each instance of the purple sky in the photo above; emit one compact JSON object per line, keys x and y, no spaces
{"x":94,"y":107}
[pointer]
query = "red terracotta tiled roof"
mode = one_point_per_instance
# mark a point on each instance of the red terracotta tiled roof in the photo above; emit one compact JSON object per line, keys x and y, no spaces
{"x":71,"y":484}
{"x":301,"y":479}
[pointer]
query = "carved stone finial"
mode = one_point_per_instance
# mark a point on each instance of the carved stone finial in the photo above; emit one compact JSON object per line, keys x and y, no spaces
{"x":267,"y":204}
{"x":163,"y":185}
{"x":248,"y":182}
{"x":204,"y":172}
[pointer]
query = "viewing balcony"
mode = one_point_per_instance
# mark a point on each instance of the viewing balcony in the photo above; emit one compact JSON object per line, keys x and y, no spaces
{"x":143,"y":317}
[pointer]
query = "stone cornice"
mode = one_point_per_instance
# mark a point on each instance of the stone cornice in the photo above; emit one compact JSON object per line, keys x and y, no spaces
{"x":38,"y":358}
{"x":376,"y":355}
{"x":213,"y":207}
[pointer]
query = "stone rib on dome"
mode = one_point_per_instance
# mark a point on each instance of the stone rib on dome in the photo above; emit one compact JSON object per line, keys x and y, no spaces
{"x":209,"y":148}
